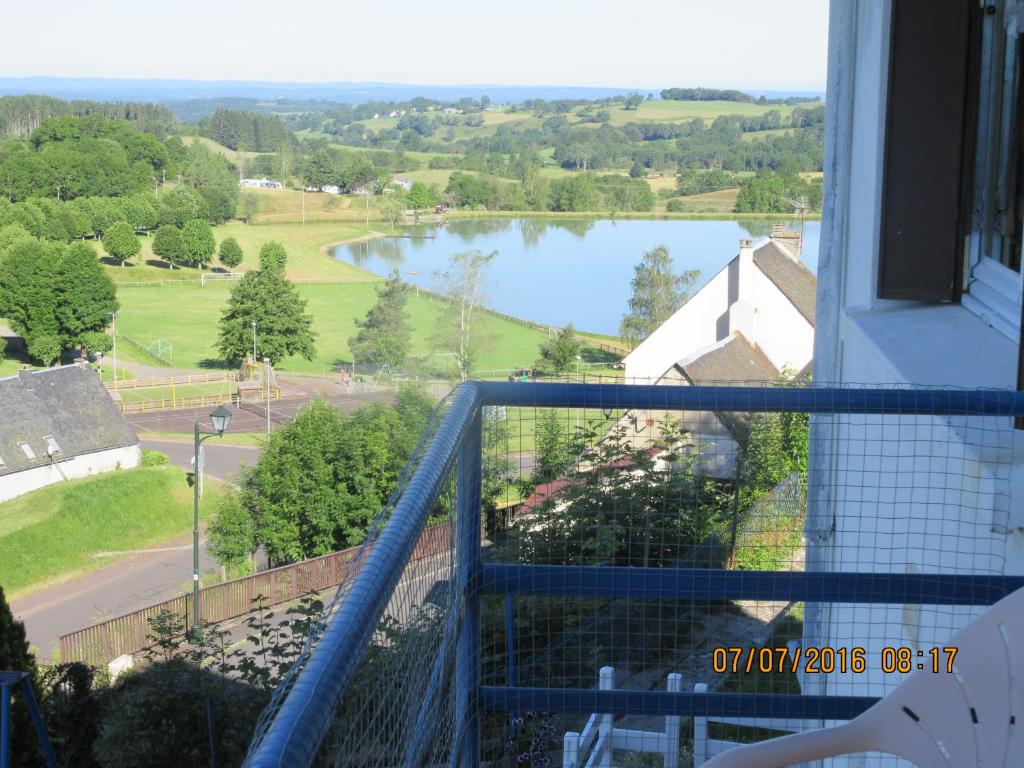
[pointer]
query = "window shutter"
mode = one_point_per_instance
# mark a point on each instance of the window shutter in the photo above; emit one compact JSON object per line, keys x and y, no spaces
{"x":928,"y":161}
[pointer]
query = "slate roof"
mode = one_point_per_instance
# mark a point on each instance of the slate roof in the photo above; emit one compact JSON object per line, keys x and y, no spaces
{"x":796,"y":282}
{"x":735,"y":360}
{"x":68,"y":403}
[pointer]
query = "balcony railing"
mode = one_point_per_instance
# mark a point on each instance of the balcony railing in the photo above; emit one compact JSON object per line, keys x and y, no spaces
{"x":663,"y":536}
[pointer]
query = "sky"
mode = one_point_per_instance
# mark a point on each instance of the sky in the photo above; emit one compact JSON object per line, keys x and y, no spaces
{"x":750,"y":44}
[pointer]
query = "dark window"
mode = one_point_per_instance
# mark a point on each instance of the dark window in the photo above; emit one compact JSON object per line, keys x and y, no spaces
{"x":929,"y":148}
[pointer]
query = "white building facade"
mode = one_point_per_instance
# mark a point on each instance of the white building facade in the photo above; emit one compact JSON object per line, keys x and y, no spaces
{"x":919,"y":283}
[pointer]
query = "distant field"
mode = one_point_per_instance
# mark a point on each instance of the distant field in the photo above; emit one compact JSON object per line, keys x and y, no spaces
{"x":187,"y":316}
{"x":230,"y":154}
{"x":306,"y":259}
{"x":678,"y":111}
{"x":762,"y":135}
{"x":54,"y":533}
{"x":721,"y":201}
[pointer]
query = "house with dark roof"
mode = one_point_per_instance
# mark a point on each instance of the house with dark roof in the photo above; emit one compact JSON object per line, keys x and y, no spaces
{"x":59,"y":424}
{"x":750,"y":323}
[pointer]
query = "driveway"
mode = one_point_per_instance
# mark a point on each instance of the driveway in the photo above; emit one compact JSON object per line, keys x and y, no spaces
{"x":220,"y":460}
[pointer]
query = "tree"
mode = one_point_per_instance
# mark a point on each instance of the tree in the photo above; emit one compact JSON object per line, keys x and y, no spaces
{"x":273,"y":257}
{"x":554,"y":452}
{"x":559,"y":353}
{"x":384,"y":334}
{"x":230,"y":253}
{"x":420,"y":197}
{"x":250,"y":206}
{"x":232,"y":533}
{"x":15,"y":656}
{"x":319,"y":170}
{"x":85,"y":295}
{"x":197,"y":243}
{"x":28,"y":299}
{"x":633,"y":101}
{"x":657,"y":293}
{"x":463,"y":286}
{"x":120,"y":241}
{"x":167,"y":245}
{"x":272,"y":302}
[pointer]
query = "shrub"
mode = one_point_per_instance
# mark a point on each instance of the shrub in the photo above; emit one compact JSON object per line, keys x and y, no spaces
{"x":155,"y":459}
{"x":674,"y":206}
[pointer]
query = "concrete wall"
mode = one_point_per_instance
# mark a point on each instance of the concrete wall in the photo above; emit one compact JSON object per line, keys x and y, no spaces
{"x":77,"y":466}
{"x":782,"y":333}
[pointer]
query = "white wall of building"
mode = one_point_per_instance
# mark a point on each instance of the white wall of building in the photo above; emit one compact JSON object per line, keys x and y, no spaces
{"x":692,"y":327}
{"x":18,"y":483}
{"x":782,"y":333}
{"x":899,"y":494}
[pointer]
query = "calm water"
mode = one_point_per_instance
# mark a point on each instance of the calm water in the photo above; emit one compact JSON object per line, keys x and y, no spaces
{"x":557,"y":271}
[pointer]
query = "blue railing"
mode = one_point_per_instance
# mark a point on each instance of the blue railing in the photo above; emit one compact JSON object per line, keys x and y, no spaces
{"x":303,"y":718}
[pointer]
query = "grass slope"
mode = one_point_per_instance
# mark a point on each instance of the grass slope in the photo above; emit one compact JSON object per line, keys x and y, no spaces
{"x":187,"y":316}
{"x":53,"y":533}
{"x":306,"y":244}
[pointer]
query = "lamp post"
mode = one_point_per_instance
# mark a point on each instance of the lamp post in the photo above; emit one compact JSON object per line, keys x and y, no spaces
{"x":266,"y":383}
{"x":220,"y":418}
{"x":254,"y":342}
{"x":113,"y":331}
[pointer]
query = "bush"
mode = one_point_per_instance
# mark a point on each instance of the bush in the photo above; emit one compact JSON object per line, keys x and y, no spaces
{"x":674,"y":206}
{"x":155,"y":459}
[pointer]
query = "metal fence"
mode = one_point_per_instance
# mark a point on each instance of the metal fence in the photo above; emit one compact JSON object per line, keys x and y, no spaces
{"x":167,"y":381}
{"x":627,"y":555}
{"x":129,"y":634}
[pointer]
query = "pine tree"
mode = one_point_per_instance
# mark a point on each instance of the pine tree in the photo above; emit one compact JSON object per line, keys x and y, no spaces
{"x":273,"y":257}
{"x":384,"y":335}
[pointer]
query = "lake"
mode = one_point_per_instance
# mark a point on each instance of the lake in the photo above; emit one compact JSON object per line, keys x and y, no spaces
{"x":556,"y":271}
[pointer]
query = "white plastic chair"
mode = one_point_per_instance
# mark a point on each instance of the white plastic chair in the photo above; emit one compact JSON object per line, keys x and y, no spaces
{"x":972,"y":717}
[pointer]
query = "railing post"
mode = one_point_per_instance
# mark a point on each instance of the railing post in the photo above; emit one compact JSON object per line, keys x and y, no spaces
{"x":5,"y":726}
{"x":605,"y":722}
{"x":700,"y":732}
{"x":672,"y":724}
{"x":467,"y":671}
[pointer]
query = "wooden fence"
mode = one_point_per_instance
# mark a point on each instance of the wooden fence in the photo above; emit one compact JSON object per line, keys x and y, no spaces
{"x":129,"y":634}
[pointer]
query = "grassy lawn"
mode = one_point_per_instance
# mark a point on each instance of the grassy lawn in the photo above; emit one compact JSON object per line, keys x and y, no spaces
{"x":230,"y":154}
{"x":306,"y":245}
{"x":149,"y":394}
{"x":721,"y":201}
{"x":54,"y":533}
{"x":187,"y":316}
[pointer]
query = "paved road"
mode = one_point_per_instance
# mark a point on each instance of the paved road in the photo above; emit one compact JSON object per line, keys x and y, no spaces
{"x":249,"y":417}
{"x":220,"y":460}
{"x":127,"y":585}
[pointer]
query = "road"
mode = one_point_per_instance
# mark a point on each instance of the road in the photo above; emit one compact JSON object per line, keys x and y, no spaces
{"x":134,"y":581}
{"x":127,"y":585}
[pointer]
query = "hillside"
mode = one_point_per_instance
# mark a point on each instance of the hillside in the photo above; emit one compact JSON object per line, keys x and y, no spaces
{"x":56,"y":532}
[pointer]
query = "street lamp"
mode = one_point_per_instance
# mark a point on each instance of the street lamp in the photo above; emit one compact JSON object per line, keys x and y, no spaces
{"x":254,"y":342}
{"x":266,"y":383}
{"x":220,"y":418}
{"x":113,"y":331}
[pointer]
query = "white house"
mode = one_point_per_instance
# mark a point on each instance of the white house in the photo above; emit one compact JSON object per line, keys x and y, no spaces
{"x":263,"y":183}
{"x":919,"y":283}
{"x":402,"y":182}
{"x":59,"y":424}
{"x":751,"y":322}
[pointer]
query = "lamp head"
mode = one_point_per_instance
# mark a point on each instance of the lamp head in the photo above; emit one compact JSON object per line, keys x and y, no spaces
{"x":221,"y":418}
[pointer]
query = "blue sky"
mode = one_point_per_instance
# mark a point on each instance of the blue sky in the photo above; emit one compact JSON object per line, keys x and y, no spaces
{"x":753,"y":44}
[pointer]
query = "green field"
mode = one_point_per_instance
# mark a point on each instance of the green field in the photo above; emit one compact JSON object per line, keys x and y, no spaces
{"x":306,"y":244}
{"x":187,"y":316}
{"x":55,"y":532}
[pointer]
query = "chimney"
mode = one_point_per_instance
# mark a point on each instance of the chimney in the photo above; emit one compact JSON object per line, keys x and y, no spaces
{"x":742,"y":312}
{"x":790,"y":241}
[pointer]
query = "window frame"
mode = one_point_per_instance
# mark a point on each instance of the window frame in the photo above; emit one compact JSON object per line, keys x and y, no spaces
{"x":992,"y":290}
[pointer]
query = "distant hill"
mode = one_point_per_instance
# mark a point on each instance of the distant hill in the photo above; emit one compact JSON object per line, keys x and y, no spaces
{"x":163,"y":91}
{"x":346,"y":93}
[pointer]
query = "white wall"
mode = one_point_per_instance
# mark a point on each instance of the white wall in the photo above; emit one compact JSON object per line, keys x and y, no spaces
{"x":84,"y":465}
{"x":896,"y":494}
{"x":782,"y":333}
{"x":693,"y":327}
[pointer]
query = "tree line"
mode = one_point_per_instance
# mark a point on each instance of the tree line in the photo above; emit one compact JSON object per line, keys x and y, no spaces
{"x":720,"y":94}
{"x":20,"y":115}
{"x":248,"y":131}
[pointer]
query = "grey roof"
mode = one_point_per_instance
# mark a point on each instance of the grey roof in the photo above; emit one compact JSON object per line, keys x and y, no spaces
{"x":737,"y":360}
{"x":795,"y":281}
{"x":68,"y":403}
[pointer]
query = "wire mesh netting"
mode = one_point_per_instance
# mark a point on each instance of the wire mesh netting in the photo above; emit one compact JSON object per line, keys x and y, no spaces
{"x":623,"y":488}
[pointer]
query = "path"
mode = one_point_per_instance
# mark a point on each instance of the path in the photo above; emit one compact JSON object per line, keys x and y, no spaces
{"x":220,"y":460}
{"x":127,"y":585}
